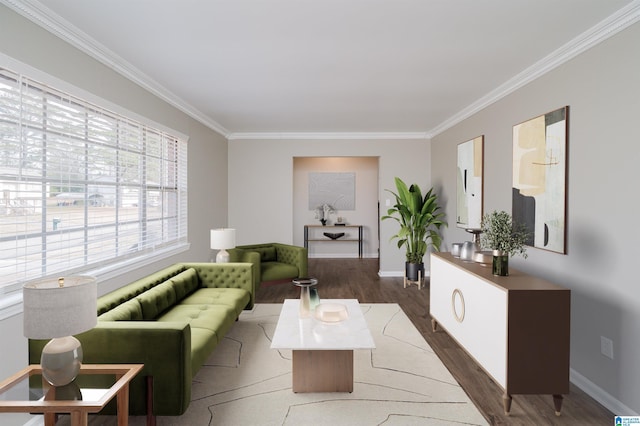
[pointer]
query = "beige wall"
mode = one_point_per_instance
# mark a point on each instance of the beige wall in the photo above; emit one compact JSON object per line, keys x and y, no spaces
{"x":207,"y":151}
{"x":261,"y":184}
{"x":602,"y":89}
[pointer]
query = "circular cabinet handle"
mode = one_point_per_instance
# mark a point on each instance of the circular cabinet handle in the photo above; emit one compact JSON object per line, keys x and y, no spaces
{"x":457,"y":294}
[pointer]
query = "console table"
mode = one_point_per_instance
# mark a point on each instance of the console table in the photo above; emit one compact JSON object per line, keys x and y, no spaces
{"x":315,"y":238}
{"x":517,"y":328}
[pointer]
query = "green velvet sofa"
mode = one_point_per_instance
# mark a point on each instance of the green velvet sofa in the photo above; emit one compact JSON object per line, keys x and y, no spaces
{"x":170,"y":321}
{"x":277,"y":262}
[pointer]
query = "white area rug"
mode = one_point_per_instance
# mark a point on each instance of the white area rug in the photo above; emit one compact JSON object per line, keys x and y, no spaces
{"x":401,"y":382}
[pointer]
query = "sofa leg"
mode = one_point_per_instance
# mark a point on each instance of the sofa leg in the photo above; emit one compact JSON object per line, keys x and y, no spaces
{"x":151,"y":418}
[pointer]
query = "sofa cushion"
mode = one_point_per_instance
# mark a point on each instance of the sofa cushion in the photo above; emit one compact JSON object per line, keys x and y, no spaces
{"x":157,"y":300}
{"x":267,"y":253}
{"x":235,"y":298}
{"x":217,"y":318}
{"x":185,"y":283}
{"x":272,"y":271}
{"x":128,"y":311}
{"x":209,"y":324}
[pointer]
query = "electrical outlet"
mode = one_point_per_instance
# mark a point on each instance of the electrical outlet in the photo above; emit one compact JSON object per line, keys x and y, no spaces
{"x":606,"y":347}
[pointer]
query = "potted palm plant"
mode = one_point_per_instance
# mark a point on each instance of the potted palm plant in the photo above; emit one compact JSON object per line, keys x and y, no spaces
{"x":420,"y":221}
{"x":504,"y":237}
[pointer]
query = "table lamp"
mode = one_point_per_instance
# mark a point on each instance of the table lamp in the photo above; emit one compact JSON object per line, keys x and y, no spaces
{"x":222,"y":239}
{"x":57,"y":309}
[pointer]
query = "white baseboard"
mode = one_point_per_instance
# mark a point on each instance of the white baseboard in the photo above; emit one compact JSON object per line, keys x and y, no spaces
{"x":341,"y":255}
{"x":391,"y":274}
{"x":600,"y":395}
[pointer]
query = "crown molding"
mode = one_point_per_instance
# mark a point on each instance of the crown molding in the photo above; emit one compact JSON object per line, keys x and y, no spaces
{"x":42,"y":16}
{"x":47,"y":19}
{"x":600,"y":32}
{"x":328,"y":135}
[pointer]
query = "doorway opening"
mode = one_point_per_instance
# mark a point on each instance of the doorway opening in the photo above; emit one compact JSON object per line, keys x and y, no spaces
{"x":357,"y":177}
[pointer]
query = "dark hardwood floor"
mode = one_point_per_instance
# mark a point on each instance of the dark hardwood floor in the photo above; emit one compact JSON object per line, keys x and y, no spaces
{"x":358,"y":279}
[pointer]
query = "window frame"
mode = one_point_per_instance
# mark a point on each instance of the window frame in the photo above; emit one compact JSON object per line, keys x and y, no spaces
{"x":11,"y":302}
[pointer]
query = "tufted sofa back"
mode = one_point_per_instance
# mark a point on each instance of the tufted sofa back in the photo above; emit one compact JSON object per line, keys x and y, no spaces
{"x":226,"y":275}
{"x":149,"y":297}
{"x":123,"y":294}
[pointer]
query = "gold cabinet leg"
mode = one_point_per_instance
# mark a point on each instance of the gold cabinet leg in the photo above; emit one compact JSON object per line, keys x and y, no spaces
{"x":506,"y":402}
{"x":434,"y":325}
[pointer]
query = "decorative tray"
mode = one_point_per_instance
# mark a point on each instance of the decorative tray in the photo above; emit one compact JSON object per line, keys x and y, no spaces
{"x":334,"y":236}
{"x":331,"y":312}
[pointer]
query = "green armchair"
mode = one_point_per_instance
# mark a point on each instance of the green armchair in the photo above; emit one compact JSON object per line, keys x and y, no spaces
{"x":272,"y":262}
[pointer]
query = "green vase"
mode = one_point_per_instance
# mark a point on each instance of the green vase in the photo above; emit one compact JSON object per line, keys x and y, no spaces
{"x":500,"y":263}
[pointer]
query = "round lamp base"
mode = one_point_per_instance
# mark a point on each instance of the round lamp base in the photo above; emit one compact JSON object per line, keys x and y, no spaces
{"x":222,"y":256}
{"x":61,"y":360}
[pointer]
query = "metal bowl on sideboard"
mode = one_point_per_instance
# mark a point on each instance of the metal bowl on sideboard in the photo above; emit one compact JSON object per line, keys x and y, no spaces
{"x":484,"y":257}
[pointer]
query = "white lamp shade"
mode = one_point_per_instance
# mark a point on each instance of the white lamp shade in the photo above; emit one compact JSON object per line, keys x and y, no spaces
{"x":223,"y":238}
{"x":53,"y":310}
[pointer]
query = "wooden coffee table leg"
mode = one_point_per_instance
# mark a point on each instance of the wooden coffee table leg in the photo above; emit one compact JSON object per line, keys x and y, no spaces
{"x":322,"y":371}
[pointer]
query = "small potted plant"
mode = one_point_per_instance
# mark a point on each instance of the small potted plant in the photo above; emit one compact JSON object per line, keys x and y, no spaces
{"x":323,"y":212}
{"x":505,"y":238}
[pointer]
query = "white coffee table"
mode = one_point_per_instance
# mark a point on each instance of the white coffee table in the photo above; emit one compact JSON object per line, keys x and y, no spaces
{"x":322,"y":353}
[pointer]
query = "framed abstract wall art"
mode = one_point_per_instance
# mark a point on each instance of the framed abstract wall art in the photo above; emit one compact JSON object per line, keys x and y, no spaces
{"x":540,"y":178}
{"x":469,"y":183}
{"x":335,"y":189}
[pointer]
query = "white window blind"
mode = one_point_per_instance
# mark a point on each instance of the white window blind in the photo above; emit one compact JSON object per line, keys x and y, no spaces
{"x":81,"y":186}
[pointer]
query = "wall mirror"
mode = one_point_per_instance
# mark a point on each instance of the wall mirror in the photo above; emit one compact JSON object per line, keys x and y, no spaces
{"x":469,"y":188}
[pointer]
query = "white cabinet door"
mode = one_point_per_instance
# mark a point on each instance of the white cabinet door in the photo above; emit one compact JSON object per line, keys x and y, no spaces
{"x":474,"y":313}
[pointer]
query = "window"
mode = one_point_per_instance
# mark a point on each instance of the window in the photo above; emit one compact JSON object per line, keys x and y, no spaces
{"x":81,"y":187}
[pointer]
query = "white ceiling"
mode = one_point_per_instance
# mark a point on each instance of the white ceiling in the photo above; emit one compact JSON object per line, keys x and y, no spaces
{"x":331,"y":66}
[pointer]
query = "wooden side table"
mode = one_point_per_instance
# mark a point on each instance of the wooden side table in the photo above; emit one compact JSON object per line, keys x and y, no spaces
{"x":28,"y":392}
